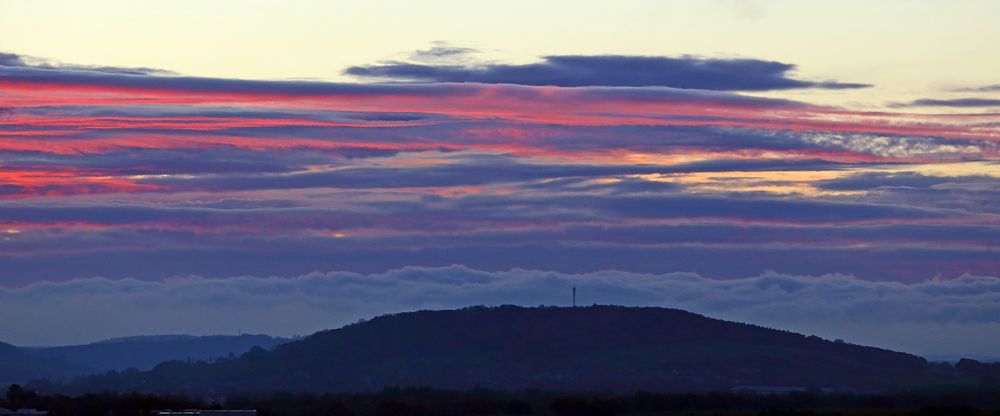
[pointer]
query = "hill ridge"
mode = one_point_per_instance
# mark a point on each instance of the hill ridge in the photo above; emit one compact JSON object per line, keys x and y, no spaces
{"x":58,"y":363}
{"x":513,"y":347}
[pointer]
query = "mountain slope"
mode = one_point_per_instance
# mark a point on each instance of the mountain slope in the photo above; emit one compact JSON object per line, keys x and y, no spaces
{"x":600,"y":347}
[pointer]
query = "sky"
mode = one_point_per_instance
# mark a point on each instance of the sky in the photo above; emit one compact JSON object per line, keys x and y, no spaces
{"x":180,"y":167}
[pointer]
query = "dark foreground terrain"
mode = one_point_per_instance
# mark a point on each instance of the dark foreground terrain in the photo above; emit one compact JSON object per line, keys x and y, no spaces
{"x":427,"y":402}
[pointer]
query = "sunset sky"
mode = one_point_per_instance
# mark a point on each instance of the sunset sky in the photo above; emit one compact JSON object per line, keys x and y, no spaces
{"x":283,"y":167}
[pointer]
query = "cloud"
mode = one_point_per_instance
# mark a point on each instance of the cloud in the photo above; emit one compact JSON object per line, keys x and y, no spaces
{"x":442,"y":52}
{"x":832,"y":306}
{"x":463,"y":170}
{"x":127,"y":162}
{"x":957,"y":102}
{"x":10,"y":59}
{"x":15,"y":69}
{"x":985,"y":88}
{"x":70,"y":86}
{"x":321,"y":107}
{"x":571,"y":224}
{"x":485,"y":170}
{"x":122,"y":172}
{"x":894,"y":146}
{"x":875,"y":180}
{"x":569,"y":206}
{"x":686,"y":72}
{"x":15,"y":60}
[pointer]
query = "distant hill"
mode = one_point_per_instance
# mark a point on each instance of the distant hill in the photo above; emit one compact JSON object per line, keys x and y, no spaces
{"x":509,"y":347}
{"x":18,"y":365}
{"x":144,"y":352}
{"x":956,"y":358}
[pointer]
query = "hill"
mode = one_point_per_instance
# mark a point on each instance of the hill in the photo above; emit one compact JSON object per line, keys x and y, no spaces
{"x":19,"y":365}
{"x":144,"y":352}
{"x":509,"y":347}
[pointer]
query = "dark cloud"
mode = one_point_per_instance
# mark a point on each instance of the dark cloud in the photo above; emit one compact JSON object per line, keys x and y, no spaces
{"x":543,"y":209}
{"x":732,"y":208}
{"x":6,"y":189}
{"x":875,"y":180}
{"x":985,"y":88}
{"x":10,"y":59}
{"x":465,"y":171}
{"x":454,"y":174}
{"x":973,"y":194}
{"x":668,"y":236}
{"x":225,"y":112}
{"x":909,"y":180}
{"x":150,"y":83}
{"x":139,"y":80}
{"x":238,"y":204}
{"x":956,"y":102}
{"x":618,"y":186}
{"x":218,"y":160}
{"x":15,"y":60}
{"x":611,"y":70}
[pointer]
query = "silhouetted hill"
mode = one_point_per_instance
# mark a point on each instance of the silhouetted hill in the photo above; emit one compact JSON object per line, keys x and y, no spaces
{"x":587,"y":348}
{"x":144,"y":352}
{"x":19,"y":365}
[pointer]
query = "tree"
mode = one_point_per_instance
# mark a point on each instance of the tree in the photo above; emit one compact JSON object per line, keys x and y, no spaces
{"x":18,"y":397}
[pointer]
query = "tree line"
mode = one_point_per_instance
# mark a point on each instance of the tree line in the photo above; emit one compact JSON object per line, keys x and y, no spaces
{"x":395,"y":401}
